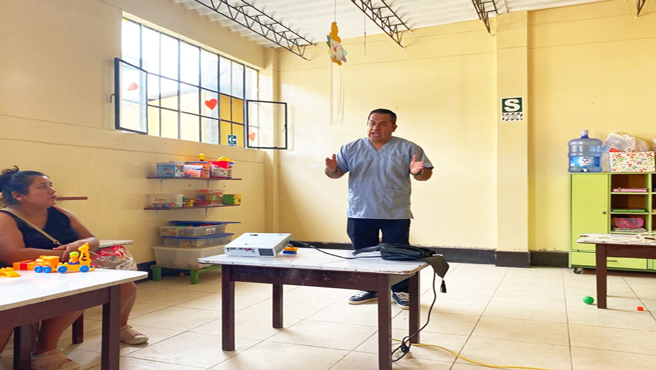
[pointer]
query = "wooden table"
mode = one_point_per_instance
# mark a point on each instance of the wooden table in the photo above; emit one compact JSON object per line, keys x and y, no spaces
{"x":616,"y":245}
{"x":313,"y":268}
{"x":35,"y":297}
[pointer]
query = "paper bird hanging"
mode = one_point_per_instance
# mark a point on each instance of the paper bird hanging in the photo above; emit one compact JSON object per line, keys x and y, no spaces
{"x":337,"y":52}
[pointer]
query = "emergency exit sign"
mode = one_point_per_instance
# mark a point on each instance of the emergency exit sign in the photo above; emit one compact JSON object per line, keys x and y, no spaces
{"x":512,"y":109}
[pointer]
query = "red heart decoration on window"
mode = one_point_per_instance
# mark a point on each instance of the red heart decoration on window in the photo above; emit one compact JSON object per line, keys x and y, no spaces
{"x":251,"y":136}
{"x":211,"y":103}
{"x":132,"y":86}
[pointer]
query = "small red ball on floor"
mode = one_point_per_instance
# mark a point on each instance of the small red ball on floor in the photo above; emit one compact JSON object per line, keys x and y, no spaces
{"x":640,"y":308}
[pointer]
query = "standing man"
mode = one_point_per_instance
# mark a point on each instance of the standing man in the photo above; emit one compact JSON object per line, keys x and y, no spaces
{"x":379,"y":189}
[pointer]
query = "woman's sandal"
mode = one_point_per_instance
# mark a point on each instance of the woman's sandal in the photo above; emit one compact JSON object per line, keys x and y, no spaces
{"x":53,"y":360}
{"x":131,"y":336}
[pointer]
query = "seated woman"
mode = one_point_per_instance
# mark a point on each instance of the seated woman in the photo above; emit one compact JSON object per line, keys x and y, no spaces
{"x":30,"y":199}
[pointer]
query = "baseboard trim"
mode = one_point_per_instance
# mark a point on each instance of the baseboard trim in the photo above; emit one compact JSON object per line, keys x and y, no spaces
{"x":512,"y":259}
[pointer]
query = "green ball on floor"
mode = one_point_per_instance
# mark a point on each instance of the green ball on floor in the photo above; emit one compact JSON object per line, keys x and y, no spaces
{"x":588,"y":300}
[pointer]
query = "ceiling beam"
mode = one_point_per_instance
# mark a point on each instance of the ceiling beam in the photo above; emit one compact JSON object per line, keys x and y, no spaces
{"x":262,"y":24}
{"x":391,"y":24}
{"x":483,"y":9}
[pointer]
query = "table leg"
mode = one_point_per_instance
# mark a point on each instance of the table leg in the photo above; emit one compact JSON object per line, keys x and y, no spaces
{"x":601,"y":272}
{"x":157,"y":273}
{"x":277,"y":306}
{"x":78,"y":330}
{"x":414,"y":307}
{"x":23,"y":347}
{"x":227,"y":309}
{"x":384,"y":323}
{"x":111,"y":330}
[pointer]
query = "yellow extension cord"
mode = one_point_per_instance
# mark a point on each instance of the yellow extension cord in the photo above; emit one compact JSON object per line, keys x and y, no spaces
{"x":476,"y":362}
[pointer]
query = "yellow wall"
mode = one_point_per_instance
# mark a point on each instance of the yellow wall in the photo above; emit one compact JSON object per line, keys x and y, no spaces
{"x":496,"y":185}
{"x":591,"y":67}
{"x":56,"y":78}
{"x":442,"y":86}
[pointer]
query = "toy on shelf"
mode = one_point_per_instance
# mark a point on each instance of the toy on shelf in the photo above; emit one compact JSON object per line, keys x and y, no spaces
{"x":78,"y":261}
{"x":290,"y":251}
{"x":8,"y":272}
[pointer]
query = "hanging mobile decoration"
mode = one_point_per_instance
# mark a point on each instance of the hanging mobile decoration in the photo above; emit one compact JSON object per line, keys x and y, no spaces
{"x":336,"y":51}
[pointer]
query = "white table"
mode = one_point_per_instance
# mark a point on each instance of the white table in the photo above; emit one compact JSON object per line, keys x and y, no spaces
{"x":616,"y":245}
{"x":313,"y":268}
{"x":112,"y":242}
{"x":35,"y":297}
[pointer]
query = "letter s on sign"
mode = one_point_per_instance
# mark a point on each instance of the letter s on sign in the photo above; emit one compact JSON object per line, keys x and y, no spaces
{"x":512,"y":105}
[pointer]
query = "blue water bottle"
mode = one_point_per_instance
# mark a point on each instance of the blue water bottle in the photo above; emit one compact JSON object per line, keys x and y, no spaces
{"x":585,"y":154}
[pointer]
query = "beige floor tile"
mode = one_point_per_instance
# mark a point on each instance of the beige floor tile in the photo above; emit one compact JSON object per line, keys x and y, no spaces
{"x":93,"y":340}
{"x":211,"y":301}
{"x":177,"y":318}
{"x":514,"y":353}
{"x":611,"y":318}
{"x":325,"y":334}
{"x":128,"y":363}
{"x":619,"y":291}
{"x":89,"y":325}
{"x":208,"y":286}
{"x":369,"y":361}
{"x":326,"y":295}
{"x":168,"y":297}
{"x":139,"y":309}
{"x":649,"y":305}
{"x":342,"y":312}
{"x":282,"y":356}
{"x":596,"y":359}
{"x":647,"y":281}
{"x":534,"y":297}
{"x":468,"y":366}
{"x":425,"y":349}
{"x":86,"y":359}
{"x":522,"y":330}
{"x":454,"y":306}
{"x":439,"y":322}
{"x":551,"y":274}
{"x":526,"y":311}
{"x":292,"y":308}
{"x":247,"y":326}
{"x":467,"y":292}
{"x":259,"y":290}
{"x":532,"y":285}
{"x":191,"y":349}
{"x":645,"y":292}
{"x":624,"y":340}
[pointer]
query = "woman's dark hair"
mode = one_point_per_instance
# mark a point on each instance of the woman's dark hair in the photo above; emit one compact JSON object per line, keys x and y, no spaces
{"x":384,"y":111}
{"x":13,"y":179}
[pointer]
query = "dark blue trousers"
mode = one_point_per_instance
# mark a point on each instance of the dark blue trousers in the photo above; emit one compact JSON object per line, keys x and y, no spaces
{"x":365,"y":232}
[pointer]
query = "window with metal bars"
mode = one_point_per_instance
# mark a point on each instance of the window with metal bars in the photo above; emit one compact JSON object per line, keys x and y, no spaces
{"x":167,"y":87}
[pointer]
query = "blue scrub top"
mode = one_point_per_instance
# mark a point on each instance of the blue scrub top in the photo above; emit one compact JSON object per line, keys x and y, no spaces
{"x":379,"y":181}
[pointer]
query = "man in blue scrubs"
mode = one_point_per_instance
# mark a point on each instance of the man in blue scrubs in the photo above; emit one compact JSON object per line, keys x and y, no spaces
{"x":380,"y":167}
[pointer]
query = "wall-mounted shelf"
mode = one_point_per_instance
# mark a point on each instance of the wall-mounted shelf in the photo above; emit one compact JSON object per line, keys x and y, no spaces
{"x":194,"y":207}
{"x":161,"y":180}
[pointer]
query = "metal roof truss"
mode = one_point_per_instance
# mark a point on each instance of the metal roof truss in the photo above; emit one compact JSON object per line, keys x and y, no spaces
{"x":388,"y":22}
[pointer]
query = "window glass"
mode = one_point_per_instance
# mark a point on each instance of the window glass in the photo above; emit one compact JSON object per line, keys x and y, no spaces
{"x":189,"y":63}
{"x":225,"y":75}
{"x":131,"y":42}
{"x":169,"y":57}
{"x":150,"y":51}
{"x":209,"y":70}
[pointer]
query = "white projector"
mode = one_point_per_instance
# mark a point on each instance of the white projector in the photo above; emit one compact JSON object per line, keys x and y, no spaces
{"x":258,"y":244}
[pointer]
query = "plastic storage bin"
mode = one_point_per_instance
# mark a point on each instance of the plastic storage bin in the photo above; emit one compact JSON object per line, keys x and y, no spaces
{"x":192,"y":231}
{"x":197,"y":242}
{"x":184,"y":258}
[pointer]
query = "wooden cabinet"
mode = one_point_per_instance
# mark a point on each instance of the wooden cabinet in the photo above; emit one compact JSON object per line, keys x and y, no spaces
{"x":601,"y":203}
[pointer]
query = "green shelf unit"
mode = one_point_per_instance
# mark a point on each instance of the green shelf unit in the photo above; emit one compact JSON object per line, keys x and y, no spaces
{"x":594,"y":203}
{"x":194,"y":273}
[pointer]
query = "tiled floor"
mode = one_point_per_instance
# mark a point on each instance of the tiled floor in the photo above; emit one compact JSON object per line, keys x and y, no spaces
{"x":495,"y":315}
